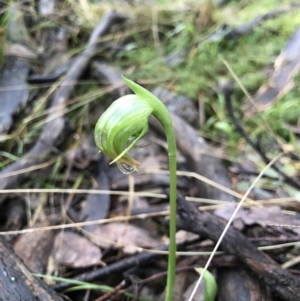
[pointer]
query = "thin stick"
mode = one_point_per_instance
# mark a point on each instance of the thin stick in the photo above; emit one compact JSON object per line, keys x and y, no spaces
{"x":252,"y":102}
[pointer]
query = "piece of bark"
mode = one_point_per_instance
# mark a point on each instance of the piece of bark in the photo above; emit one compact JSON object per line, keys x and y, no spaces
{"x":17,"y":282}
{"x":108,"y":75}
{"x":13,"y":74}
{"x":96,"y":207}
{"x":53,"y":133}
{"x":178,"y":104}
{"x":280,"y":281}
{"x":238,"y":284}
{"x":13,"y":88}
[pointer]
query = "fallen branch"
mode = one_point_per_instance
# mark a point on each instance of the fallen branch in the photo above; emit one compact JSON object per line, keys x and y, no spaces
{"x":280,"y":281}
{"x":18,"y":283}
{"x":54,"y":131}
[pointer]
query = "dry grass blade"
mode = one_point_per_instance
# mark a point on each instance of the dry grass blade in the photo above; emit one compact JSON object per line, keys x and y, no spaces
{"x":82,"y":224}
{"x":204,"y":179}
{"x":79,"y":191}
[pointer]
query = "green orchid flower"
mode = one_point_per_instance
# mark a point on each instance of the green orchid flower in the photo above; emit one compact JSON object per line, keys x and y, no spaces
{"x":118,"y":130}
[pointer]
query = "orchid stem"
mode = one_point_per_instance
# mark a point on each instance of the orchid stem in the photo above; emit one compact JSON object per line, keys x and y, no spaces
{"x":117,"y":131}
{"x":172,"y":227}
{"x":161,"y":113}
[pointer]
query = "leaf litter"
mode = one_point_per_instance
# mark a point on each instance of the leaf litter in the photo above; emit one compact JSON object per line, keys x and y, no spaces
{"x":182,"y":62}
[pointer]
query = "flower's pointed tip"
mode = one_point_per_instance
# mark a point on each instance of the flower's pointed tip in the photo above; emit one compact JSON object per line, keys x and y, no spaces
{"x":114,"y":160}
{"x":139,"y":90}
{"x":136,"y":88}
{"x":128,"y":82}
{"x":125,"y":78}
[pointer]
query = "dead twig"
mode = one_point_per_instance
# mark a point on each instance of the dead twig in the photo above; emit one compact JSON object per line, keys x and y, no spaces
{"x":227,"y":90}
{"x":55,"y":130}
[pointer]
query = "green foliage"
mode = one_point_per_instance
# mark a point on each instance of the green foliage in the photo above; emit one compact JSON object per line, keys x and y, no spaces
{"x":199,"y":64}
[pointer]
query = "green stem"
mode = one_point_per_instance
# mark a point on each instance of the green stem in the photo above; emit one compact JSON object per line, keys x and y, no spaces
{"x":172,"y":150}
{"x":173,"y":209}
{"x":131,"y":119}
{"x":163,"y":116}
{"x":161,"y":113}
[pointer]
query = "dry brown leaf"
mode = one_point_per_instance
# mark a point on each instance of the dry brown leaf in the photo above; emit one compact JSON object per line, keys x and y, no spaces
{"x":131,"y":236}
{"x":263,"y":217}
{"x":182,"y":236}
{"x":74,"y":250}
{"x":35,"y":248}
